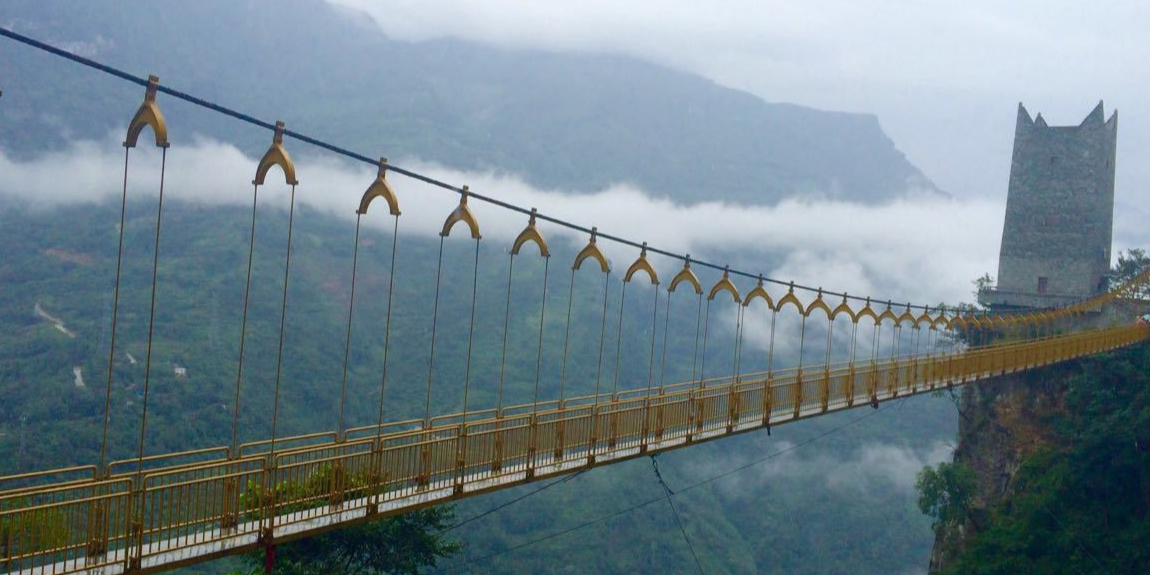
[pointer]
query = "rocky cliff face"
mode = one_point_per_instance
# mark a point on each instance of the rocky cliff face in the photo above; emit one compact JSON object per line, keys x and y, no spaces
{"x":1001,"y":423}
{"x":1006,"y":420}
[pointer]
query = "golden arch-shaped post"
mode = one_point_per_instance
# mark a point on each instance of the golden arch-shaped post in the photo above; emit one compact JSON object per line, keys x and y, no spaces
{"x":818,"y":303}
{"x":148,"y":115}
{"x":867,"y":311}
{"x":844,"y":308}
{"x":986,"y":321}
{"x":887,"y":314}
{"x":530,"y":234}
{"x":592,"y":251}
{"x":379,"y":189}
{"x":791,"y":299}
{"x":925,"y":318}
{"x":725,"y":284}
{"x":686,"y":275}
{"x":1001,"y":322}
{"x":642,"y":265}
{"x":1018,"y":323}
{"x":974,"y":322}
{"x":941,"y":320}
{"x":276,"y":156}
{"x":759,"y":292}
{"x":907,"y":316}
{"x":462,"y":213}
{"x":971,"y":321}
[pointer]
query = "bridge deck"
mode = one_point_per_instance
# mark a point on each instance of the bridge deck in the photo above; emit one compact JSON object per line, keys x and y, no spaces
{"x":185,"y":513}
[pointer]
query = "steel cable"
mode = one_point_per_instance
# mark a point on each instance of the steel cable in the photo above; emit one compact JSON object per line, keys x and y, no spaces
{"x":283,"y":324}
{"x":151,"y":316}
{"x":115,"y":318}
{"x":338,"y":150}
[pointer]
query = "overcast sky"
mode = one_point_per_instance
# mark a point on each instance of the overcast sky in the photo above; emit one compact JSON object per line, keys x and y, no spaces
{"x":944,"y":77}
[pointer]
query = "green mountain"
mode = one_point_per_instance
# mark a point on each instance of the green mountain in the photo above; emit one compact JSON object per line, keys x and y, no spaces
{"x":572,"y":122}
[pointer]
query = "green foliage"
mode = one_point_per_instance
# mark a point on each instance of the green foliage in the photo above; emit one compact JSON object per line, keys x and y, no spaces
{"x":1130,"y":263}
{"x":945,"y":493}
{"x":983,"y":282}
{"x":30,"y":531}
{"x":401,"y":545}
{"x":310,"y":492}
{"x":1082,"y":506}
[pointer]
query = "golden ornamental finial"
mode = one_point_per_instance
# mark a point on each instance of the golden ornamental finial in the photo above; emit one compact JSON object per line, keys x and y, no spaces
{"x":462,"y":213}
{"x":380,"y":188}
{"x":276,"y":156}
{"x":531,"y":234}
{"x":148,"y":115}
{"x":641,"y":264}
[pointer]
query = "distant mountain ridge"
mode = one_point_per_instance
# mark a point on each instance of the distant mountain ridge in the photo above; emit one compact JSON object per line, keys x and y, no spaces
{"x":563,"y":121}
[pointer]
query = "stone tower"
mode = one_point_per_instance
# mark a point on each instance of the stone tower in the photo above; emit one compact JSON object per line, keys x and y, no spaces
{"x":1059,"y":212}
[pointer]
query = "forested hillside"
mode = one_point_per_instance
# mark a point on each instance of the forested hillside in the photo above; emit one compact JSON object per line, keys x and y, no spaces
{"x":567,"y":121}
{"x":1052,"y":473}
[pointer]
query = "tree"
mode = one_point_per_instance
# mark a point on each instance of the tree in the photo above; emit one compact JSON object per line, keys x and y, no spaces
{"x":946,"y":493}
{"x":1130,"y":264}
{"x":396,"y":545}
{"x":983,"y":283}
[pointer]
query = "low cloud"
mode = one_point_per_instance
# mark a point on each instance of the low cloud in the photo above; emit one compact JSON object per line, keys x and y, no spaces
{"x":871,"y":468}
{"x":921,"y":249}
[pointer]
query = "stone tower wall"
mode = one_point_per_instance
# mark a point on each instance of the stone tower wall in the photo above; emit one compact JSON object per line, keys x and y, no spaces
{"x":1060,"y":207}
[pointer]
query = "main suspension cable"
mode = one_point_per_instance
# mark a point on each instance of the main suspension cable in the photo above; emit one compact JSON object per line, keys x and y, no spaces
{"x":406,"y":172}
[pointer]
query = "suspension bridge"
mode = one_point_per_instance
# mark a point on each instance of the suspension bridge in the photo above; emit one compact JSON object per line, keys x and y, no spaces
{"x":158,"y":511}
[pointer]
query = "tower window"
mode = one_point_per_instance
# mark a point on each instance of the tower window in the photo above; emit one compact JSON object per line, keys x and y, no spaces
{"x":1053,"y":159}
{"x":1042,"y":284}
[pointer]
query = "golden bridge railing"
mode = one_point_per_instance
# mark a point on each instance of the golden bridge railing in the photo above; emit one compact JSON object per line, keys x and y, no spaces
{"x":192,"y":506}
